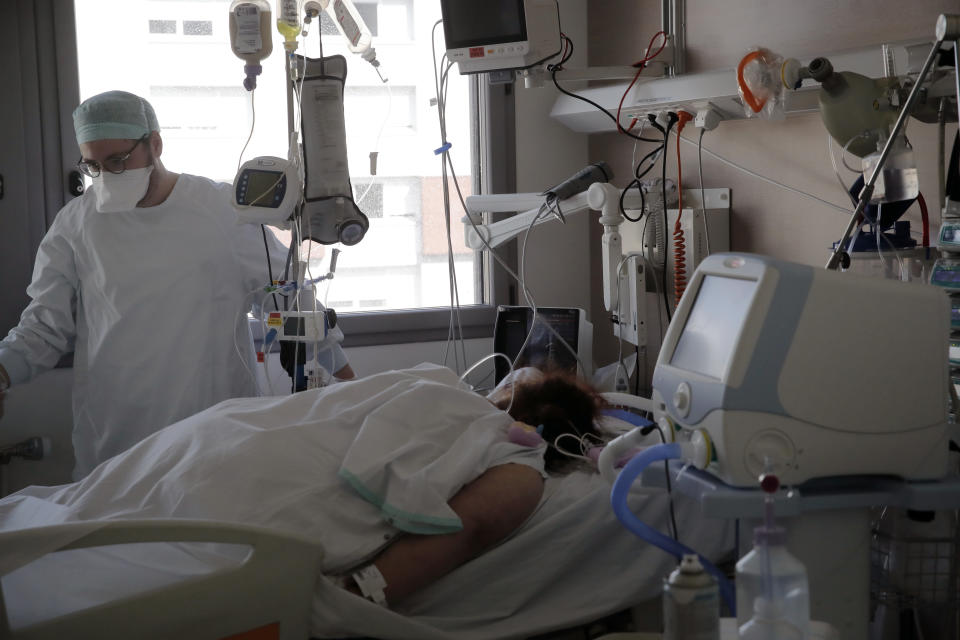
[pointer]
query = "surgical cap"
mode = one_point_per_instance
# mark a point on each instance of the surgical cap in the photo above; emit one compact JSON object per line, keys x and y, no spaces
{"x":114,"y":115}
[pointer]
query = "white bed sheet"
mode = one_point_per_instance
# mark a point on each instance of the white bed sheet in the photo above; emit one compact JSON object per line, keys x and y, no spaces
{"x":570,"y":563}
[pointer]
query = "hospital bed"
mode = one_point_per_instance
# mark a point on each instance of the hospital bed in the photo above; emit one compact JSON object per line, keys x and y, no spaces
{"x":265,"y":595}
{"x":570,"y":563}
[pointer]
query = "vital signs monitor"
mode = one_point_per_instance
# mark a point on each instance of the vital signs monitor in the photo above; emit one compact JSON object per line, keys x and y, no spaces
{"x":807,"y":372}
{"x":500,"y":34}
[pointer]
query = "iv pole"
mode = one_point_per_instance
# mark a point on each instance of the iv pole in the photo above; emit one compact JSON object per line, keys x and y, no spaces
{"x":948,"y":28}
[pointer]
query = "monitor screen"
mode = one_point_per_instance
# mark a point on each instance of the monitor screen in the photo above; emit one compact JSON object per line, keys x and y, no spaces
{"x":543,"y":350}
{"x":262,"y":186}
{"x":714,"y":323}
{"x":471,"y":24}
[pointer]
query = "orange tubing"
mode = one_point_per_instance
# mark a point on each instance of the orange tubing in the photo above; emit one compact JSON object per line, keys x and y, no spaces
{"x":751,"y":100}
{"x":679,"y":242}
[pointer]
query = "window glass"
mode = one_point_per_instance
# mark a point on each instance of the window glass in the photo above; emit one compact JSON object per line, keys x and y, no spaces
{"x":177,"y":55}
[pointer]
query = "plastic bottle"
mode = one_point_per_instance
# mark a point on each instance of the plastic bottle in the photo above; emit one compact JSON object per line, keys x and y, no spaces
{"x":351,"y":25}
{"x":773,"y":599}
{"x":691,"y":603}
{"x":288,"y":22}
{"x":250,"y":36}
{"x":898,"y":178}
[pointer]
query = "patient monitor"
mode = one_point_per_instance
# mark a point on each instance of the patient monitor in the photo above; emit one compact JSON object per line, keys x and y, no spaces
{"x":515,"y":329}
{"x":807,"y":372}
{"x":500,"y":34}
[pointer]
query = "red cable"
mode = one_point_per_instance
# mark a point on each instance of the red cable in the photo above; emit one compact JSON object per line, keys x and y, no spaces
{"x":641,"y":65}
{"x":925,"y":218}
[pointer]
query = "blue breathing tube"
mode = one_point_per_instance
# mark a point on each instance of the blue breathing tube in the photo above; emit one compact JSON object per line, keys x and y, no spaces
{"x":618,"y":499}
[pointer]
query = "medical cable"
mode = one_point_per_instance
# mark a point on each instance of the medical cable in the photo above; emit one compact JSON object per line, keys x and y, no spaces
{"x":582,"y":456}
{"x":253,"y":123}
{"x":553,"y":74}
{"x":771,"y":181}
{"x":490,"y":356}
{"x":440,"y":89}
{"x":263,"y":231}
{"x":446,"y":163}
{"x":376,"y":146}
{"x":451,"y":263}
{"x":671,"y":119}
{"x":833,"y":163}
{"x":529,"y":299}
{"x":703,"y":197}
{"x":675,"y":531}
{"x":518,"y":278}
{"x":312,"y":379}
{"x":641,"y":65}
{"x":652,"y":157}
{"x":619,"y":307}
{"x":843,"y":153}
{"x":236,"y":344}
{"x":679,"y":241}
{"x":618,"y":500}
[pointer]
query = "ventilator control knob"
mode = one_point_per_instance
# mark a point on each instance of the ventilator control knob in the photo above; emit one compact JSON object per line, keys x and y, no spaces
{"x":681,"y":399}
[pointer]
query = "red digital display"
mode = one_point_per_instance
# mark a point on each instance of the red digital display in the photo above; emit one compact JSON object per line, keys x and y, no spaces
{"x":476,"y":52}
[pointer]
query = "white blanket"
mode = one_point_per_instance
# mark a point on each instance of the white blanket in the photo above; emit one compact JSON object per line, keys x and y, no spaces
{"x":408,"y":440}
{"x":571,"y":561}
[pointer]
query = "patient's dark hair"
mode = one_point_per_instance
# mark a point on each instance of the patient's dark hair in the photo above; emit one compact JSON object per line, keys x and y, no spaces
{"x":562,"y":403}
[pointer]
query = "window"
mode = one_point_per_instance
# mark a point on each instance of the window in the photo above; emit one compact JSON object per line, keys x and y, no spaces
{"x":194,"y":82}
{"x":163,"y":26}
{"x":198,"y":27}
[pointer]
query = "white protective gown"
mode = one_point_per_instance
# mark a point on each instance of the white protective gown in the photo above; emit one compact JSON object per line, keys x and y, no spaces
{"x":153,"y":304}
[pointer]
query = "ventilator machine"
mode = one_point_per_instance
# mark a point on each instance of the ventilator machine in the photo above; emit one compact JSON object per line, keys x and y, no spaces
{"x":808,"y":372}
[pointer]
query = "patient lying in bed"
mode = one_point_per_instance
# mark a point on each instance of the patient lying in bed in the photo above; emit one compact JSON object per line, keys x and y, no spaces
{"x":407,"y":470}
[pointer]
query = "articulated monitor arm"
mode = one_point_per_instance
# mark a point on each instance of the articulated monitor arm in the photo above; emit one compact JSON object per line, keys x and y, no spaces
{"x":601,"y":196}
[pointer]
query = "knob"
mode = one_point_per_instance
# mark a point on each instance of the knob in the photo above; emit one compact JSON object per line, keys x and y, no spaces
{"x":681,"y":399}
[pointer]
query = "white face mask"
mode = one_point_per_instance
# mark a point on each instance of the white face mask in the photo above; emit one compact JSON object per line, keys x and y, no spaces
{"x":121,"y":192}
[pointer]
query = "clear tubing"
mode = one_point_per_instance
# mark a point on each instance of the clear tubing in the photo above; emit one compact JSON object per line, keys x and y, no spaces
{"x":491,"y":356}
{"x":618,"y":500}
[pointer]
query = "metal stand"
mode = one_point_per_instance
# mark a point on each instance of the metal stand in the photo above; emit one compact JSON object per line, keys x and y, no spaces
{"x":828,"y":529}
{"x":948,"y":28}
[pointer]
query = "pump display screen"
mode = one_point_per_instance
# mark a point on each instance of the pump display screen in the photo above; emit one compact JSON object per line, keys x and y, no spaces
{"x":472,"y":24}
{"x":710,"y":333}
{"x":260,"y":188}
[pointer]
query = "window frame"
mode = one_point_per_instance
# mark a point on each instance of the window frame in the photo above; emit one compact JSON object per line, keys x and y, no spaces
{"x":492,"y":148}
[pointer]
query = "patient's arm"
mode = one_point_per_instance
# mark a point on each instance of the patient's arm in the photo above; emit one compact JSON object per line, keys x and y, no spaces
{"x":491,"y":508}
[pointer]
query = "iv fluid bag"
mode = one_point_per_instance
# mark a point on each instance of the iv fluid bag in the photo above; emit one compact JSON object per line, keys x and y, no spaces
{"x":350,"y":24}
{"x":250,"y":24}
{"x":288,"y":19}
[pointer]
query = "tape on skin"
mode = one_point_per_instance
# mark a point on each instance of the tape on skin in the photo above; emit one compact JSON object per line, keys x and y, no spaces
{"x":371,"y":584}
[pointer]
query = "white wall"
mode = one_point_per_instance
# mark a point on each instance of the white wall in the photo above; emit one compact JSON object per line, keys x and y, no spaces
{"x":766,"y":219}
{"x":558,"y":255}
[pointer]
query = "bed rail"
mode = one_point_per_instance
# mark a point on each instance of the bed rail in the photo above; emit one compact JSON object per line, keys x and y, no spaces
{"x":271,"y":589}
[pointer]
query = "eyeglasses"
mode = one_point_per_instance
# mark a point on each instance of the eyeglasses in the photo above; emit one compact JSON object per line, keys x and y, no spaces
{"x":113,"y":164}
